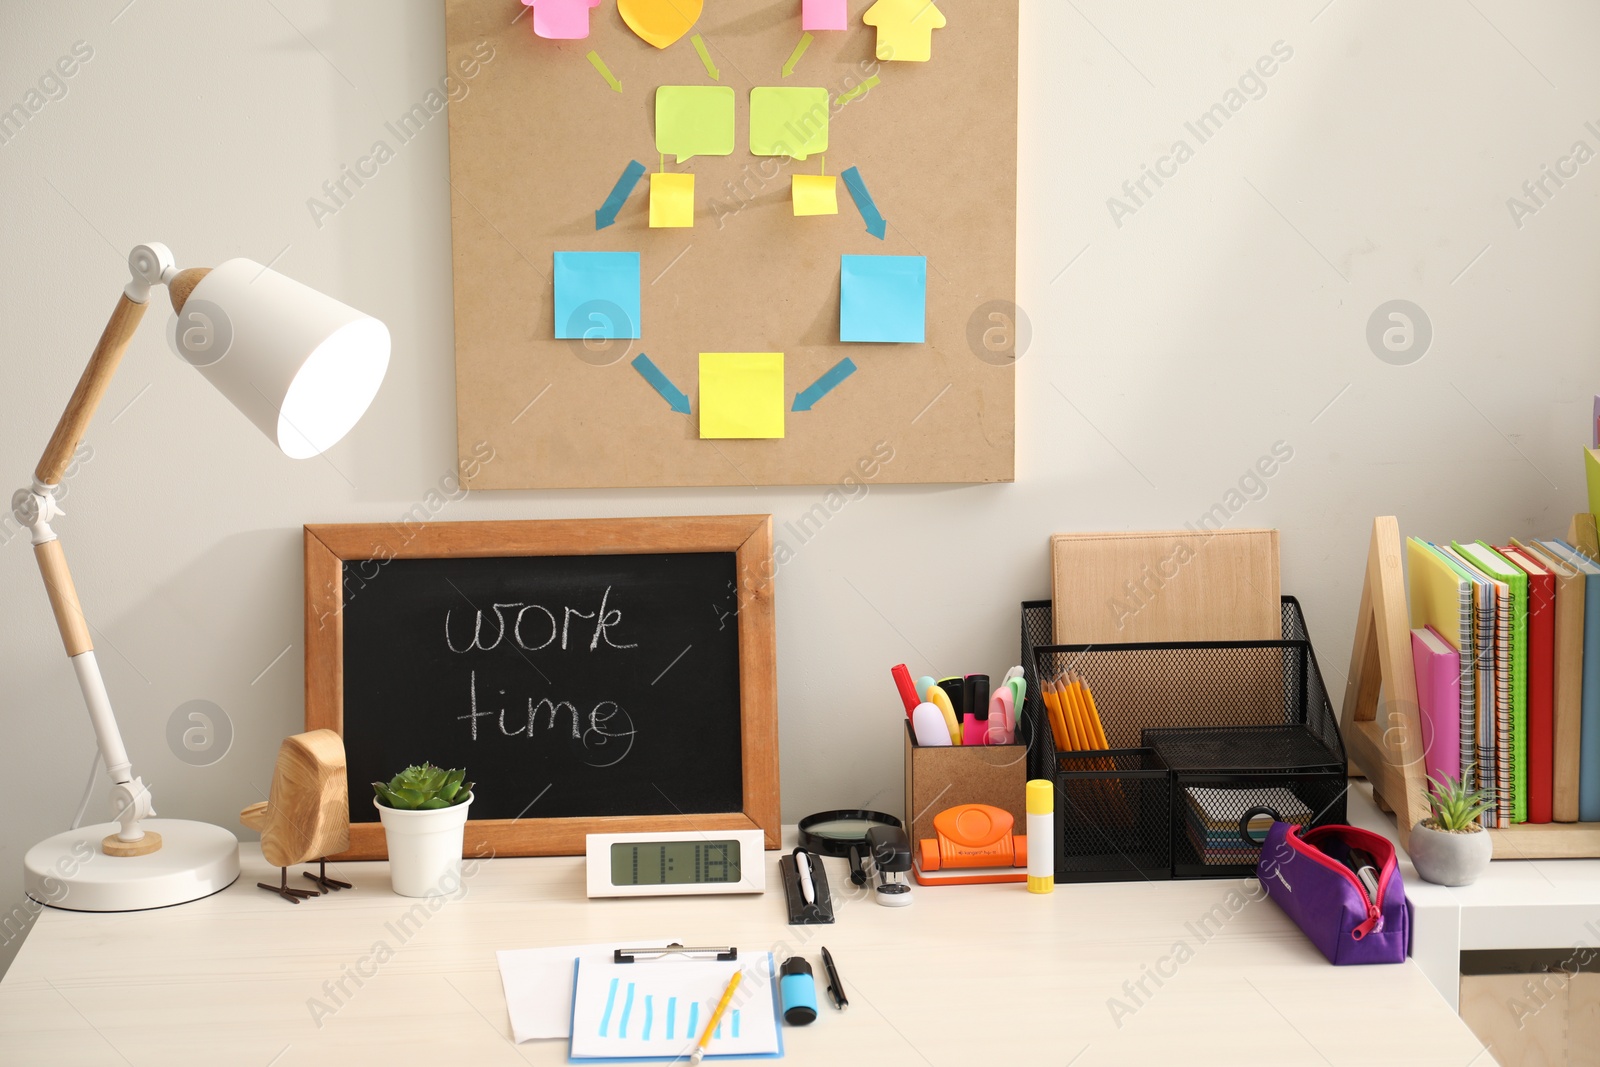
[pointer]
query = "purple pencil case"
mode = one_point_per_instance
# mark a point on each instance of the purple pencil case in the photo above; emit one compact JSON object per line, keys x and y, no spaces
{"x":1306,"y":874}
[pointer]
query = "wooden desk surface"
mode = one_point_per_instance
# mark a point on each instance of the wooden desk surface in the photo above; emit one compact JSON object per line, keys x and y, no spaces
{"x":963,"y":976}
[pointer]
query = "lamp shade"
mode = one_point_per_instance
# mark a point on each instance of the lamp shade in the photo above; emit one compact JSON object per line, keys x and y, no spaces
{"x":300,"y":365}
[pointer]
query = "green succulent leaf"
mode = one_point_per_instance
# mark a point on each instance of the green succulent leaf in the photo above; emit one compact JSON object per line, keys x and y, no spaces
{"x":1455,"y":807}
{"x":424,"y":788}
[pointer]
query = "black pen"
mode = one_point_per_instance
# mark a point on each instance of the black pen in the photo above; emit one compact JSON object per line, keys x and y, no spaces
{"x":835,"y":987}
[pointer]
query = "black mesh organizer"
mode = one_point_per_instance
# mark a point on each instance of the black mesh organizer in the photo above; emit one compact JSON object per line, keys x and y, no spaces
{"x":1202,"y":734}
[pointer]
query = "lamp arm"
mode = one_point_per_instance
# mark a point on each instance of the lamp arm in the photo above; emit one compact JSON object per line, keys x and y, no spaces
{"x":36,"y":506}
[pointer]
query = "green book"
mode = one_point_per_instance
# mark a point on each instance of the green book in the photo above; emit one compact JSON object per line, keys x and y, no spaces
{"x":1501,"y":569}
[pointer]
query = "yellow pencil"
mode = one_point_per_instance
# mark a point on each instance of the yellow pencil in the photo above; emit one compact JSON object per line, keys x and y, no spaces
{"x":1080,"y":741}
{"x":1081,"y":706}
{"x":1094,"y":714}
{"x":1058,"y":723}
{"x":716,"y":1017}
{"x":1075,"y":709}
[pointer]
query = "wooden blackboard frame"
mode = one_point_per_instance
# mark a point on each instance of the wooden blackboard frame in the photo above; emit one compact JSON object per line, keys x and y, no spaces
{"x":749,"y":537}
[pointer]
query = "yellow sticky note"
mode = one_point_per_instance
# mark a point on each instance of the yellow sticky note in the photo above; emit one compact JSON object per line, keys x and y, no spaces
{"x":816,"y":194}
{"x":671,"y":200}
{"x":905,"y":29}
{"x":741,"y":394}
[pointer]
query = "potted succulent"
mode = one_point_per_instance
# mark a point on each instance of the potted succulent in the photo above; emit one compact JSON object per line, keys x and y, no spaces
{"x":1450,"y":847}
{"x":424,"y":815}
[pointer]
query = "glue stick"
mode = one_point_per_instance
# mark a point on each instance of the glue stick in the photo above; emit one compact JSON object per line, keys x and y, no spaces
{"x":1041,"y":837}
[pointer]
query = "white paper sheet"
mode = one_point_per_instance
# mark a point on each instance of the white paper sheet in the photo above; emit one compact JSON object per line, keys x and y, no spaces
{"x":538,"y":985}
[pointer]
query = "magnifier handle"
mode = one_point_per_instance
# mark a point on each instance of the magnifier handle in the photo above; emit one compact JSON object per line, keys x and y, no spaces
{"x":858,"y":873}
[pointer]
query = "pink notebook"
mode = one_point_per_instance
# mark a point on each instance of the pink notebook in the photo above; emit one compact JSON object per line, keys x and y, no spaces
{"x":1438,"y":668}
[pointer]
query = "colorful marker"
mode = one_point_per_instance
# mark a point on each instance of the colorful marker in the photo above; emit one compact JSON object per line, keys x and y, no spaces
{"x":928,"y":726}
{"x":955,"y":687}
{"x":902,"y":682}
{"x":941,"y":700}
{"x":975,"y":727}
{"x":1002,"y":717}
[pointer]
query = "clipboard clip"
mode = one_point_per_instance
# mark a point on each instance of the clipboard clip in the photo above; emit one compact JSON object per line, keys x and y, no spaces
{"x":702,"y":952}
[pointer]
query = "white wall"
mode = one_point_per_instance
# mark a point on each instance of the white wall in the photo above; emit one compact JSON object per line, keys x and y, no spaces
{"x":1226,"y":313}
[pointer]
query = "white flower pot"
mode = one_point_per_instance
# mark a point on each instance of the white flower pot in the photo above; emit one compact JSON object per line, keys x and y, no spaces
{"x":424,"y":848}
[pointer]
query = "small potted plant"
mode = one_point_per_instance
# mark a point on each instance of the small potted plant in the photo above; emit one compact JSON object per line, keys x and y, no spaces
{"x":424,"y":815}
{"x":1450,"y":847}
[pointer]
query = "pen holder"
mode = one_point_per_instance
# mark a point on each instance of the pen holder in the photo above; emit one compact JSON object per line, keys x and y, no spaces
{"x":944,"y":776}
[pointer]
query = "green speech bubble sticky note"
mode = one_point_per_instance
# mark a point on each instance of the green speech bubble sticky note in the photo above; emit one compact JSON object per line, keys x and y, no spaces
{"x":788,"y":122}
{"x":694,"y":120}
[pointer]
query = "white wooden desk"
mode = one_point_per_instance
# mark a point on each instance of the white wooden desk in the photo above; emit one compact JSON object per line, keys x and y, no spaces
{"x":1532,"y":904}
{"x":966,"y":975}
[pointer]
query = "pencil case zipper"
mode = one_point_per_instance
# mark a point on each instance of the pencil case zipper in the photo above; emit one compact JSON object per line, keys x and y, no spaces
{"x":1374,"y":843}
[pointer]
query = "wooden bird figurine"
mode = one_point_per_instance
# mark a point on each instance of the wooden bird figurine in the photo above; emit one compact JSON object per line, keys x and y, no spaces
{"x":307,"y":814}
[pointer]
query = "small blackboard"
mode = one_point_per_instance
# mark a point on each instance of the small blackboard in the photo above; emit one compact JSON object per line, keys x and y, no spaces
{"x":591,"y":676}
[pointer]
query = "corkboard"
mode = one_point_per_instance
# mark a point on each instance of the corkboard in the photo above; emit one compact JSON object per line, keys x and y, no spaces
{"x":537,"y":143}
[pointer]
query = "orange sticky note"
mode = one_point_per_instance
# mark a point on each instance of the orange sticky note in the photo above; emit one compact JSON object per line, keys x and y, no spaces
{"x":671,"y":200}
{"x":741,"y":395}
{"x":816,"y":194}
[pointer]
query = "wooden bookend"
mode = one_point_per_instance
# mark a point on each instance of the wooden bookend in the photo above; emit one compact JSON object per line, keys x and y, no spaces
{"x":1389,"y":748}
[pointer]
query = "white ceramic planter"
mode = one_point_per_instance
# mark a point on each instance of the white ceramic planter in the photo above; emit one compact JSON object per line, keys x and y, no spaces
{"x":424,"y":848}
{"x":1450,"y":859}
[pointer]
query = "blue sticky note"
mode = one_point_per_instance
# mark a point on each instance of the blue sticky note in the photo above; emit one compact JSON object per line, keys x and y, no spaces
{"x":597,"y":295}
{"x":883,"y":298}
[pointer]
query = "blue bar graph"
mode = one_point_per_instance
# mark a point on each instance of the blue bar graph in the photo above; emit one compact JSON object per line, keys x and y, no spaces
{"x":627,"y":1010}
{"x":672,"y":1017}
{"x":611,"y":1000}
{"x":649,"y":1017}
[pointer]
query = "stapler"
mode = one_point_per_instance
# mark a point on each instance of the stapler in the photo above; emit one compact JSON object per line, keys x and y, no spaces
{"x":890,"y":850}
{"x":973,"y":845}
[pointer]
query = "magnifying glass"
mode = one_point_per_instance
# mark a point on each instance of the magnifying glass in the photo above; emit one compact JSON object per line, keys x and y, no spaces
{"x":843,"y":833}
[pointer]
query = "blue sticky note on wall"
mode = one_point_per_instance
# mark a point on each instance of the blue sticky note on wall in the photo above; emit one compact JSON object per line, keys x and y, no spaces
{"x":883,"y":298}
{"x":597,"y":295}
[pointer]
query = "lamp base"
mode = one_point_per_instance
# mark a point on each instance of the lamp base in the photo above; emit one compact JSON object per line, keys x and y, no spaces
{"x":69,"y":871}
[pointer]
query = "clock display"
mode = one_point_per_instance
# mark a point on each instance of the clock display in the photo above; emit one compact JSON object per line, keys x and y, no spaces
{"x":638,"y":863}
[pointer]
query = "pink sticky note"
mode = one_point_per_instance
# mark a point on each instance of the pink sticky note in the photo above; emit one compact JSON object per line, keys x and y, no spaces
{"x":824,"y":15}
{"x":561,"y":20}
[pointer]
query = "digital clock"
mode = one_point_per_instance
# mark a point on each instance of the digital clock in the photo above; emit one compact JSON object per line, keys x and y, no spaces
{"x":676,"y":863}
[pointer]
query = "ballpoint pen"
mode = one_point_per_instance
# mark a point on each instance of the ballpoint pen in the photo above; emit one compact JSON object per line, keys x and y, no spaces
{"x":802,"y":866}
{"x":835,"y":987}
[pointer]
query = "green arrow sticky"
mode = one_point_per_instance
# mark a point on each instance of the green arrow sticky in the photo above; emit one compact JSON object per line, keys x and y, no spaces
{"x":799,"y":50}
{"x":605,"y":71}
{"x":705,"y":58}
{"x":860,"y":90}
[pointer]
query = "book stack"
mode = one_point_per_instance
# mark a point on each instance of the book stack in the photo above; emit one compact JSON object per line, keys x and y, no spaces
{"x":1212,"y":817}
{"x":1506,"y":644}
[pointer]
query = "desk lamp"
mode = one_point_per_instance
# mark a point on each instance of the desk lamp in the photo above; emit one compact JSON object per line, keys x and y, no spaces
{"x":301,"y":366}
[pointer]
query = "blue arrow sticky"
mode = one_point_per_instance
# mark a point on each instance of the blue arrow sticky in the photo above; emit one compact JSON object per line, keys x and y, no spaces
{"x":619,"y":195}
{"x":808,"y":397}
{"x":662,"y":384}
{"x":876,"y":224}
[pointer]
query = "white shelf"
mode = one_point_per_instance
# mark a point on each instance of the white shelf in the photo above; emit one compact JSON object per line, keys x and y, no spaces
{"x":1528,"y":904}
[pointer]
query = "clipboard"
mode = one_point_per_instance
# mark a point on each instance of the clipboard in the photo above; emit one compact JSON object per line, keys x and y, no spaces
{"x":652,"y":1010}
